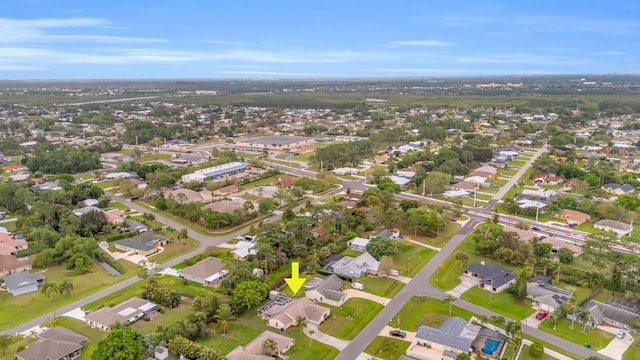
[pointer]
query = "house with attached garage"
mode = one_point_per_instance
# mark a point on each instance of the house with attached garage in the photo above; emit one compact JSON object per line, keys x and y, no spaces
{"x":207,"y":272}
{"x":545,"y":296}
{"x":327,"y":290}
{"x":617,"y":189}
{"x":145,"y":245}
{"x":127,"y":312}
{"x":617,"y":227}
{"x":57,"y":343}
{"x":613,"y":313}
{"x":358,"y":244}
{"x":282,"y":312}
{"x":493,"y":277}
{"x":254,"y":350}
{"x":23,"y":282}
{"x":362,"y":265}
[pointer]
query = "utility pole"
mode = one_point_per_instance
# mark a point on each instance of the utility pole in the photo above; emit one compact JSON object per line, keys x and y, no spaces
{"x":136,"y":140}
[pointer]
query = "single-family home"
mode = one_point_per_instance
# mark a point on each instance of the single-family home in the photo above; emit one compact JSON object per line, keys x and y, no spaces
{"x":617,"y":189}
{"x":23,"y":282}
{"x":224,"y":206}
{"x":126,"y":312}
{"x":398,"y":180}
{"x":115,"y":216}
{"x":617,"y":227}
{"x":358,"y":244}
{"x":493,"y":277}
{"x":381,"y":159}
{"x":243,"y":249}
{"x":526,"y":203}
{"x":346,"y":171}
{"x":145,"y":245}
{"x":524,"y":235}
{"x":84,"y":210}
{"x":386,"y":233}
{"x":557,"y":244}
{"x":283,"y":315}
{"x":186,"y":196}
{"x":49,"y":185}
{"x":455,"y":334}
{"x":90,"y":202}
{"x":455,"y":193}
{"x":572,"y":217}
{"x":362,"y":265}
{"x":57,"y":343}
{"x":10,"y":264}
{"x":614,"y":313}
{"x":11,"y":246}
{"x":207,"y":272}
{"x":254,"y":350}
{"x":545,"y":296}
{"x":542,"y":194}
{"x":409,"y":174}
{"x":287,"y":181}
{"x":132,"y":225}
{"x":327,"y":290}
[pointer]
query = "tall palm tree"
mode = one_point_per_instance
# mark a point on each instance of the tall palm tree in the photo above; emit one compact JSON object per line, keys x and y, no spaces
{"x":301,"y":321}
{"x":449,"y":299}
{"x":50,"y":289}
{"x":311,"y":332}
{"x":224,"y":316}
{"x":65,"y":287}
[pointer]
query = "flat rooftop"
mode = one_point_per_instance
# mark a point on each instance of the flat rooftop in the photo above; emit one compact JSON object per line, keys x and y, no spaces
{"x":278,"y":140}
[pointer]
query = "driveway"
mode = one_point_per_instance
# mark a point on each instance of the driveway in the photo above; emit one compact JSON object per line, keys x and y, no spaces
{"x":411,"y":336}
{"x":466,"y":284}
{"x":532,"y":321}
{"x":324,"y":338}
{"x":616,"y":347}
{"x":352,"y":293}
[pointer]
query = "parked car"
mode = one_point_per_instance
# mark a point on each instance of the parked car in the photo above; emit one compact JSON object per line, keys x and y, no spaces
{"x":357,"y":286}
{"x":398,"y":333}
{"x":394,"y":273}
{"x":542,"y":314}
{"x":621,"y":334}
{"x":535,"y":228}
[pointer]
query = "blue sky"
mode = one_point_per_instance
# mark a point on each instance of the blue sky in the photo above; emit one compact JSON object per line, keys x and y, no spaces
{"x":87,"y":39}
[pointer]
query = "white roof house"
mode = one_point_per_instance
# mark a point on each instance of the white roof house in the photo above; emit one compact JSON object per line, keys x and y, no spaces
{"x":399,"y":180}
{"x":526,"y":203}
{"x":455,"y":193}
{"x":406,"y":173}
{"x":475,"y":179}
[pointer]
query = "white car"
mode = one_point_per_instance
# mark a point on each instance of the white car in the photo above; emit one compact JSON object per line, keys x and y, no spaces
{"x":357,"y":286}
{"x":621,"y":334}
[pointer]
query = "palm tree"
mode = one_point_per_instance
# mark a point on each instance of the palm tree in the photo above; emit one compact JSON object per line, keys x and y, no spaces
{"x":553,"y":319}
{"x":311,"y":332}
{"x":585,"y":316}
{"x":224,"y":316}
{"x":449,"y":299}
{"x":50,"y":289}
{"x":5,"y":340}
{"x":184,"y":234}
{"x":301,"y":321}
{"x":65,"y":287}
{"x":269,"y":347}
{"x":572,"y":306}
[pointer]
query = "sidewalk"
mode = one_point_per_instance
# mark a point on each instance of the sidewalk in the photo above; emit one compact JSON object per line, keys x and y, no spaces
{"x":324,"y":338}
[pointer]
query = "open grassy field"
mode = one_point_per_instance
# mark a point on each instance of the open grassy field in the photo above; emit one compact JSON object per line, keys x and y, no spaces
{"x":379,"y":348}
{"x":174,"y":249}
{"x":524,"y":355}
{"x":420,"y":311}
{"x":501,"y":303}
{"x":347,"y":321}
{"x":578,"y":335}
{"x":17,"y":309}
{"x":438,"y":241}
{"x":385,"y":287}
{"x":409,"y":262}
{"x":151,"y":157}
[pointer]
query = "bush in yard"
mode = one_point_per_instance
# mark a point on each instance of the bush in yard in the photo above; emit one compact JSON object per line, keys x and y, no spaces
{"x":536,"y":350}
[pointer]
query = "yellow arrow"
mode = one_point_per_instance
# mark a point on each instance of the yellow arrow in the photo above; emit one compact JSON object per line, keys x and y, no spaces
{"x":295,"y":282}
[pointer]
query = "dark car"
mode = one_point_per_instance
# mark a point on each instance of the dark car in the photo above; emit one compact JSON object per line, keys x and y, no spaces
{"x":535,"y":228}
{"x":398,"y":333}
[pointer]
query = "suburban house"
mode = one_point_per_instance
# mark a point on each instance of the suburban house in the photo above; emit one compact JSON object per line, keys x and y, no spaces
{"x":282,"y":314}
{"x":57,"y":343}
{"x":225,"y":191}
{"x":255,"y":350}
{"x":115,"y":216}
{"x":127,"y":312}
{"x":185,"y":196}
{"x":572,"y":217}
{"x":287,"y":181}
{"x":145,"y":245}
{"x":49,"y":185}
{"x":224,"y":206}
{"x":358,"y":244}
{"x":557,"y":244}
{"x":454,"y":336}
{"x":493,"y":277}
{"x":545,"y":296}
{"x":617,"y":227}
{"x":614,"y":313}
{"x":11,"y":246}
{"x":23,"y":282}
{"x":243,"y":249}
{"x":526,"y":203}
{"x":524,"y":235}
{"x":362,"y":265}
{"x":10,"y":264}
{"x":207,"y":272}
{"x":132,"y":225}
{"x":327,"y":290}
{"x":617,"y":189}
{"x":386,"y":233}
{"x":540,"y":195}
{"x":84,"y":210}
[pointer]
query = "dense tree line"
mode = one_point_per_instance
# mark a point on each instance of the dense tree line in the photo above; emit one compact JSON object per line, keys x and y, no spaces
{"x":64,"y":160}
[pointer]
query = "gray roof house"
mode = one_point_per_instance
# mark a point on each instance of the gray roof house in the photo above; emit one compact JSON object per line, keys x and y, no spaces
{"x":126,"y":312}
{"x":132,"y":225}
{"x":455,"y":334}
{"x":54,"y":344}
{"x":617,"y":227}
{"x":208,"y":272}
{"x":23,"y":282}
{"x":83,"y":210}
{"x":609,"y":313}
{"x":548,"y":297}
{"x":327,"y":290}
{"x":618,"y":189}
{"x":493,"y":277}
{"x":358,"y":243}
{"x":356,"y":267}
{"x":385,"y":233}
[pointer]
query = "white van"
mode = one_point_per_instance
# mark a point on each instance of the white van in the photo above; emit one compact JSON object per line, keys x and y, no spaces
{"x":357,"y":286}
{"x":394,"y":273}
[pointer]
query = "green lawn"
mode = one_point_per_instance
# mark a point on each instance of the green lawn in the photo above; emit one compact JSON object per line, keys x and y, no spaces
{"x":359,"y":311}
{"x":285,"y":163}
{"x":497,"y":182}
{"x":501,"y":303}
{"x":524,"y":355}
{"x":381,"y":286}
{"x":12,"y":349}
{"x":174,"y":249}
{"x":633,"y":352}
{"x":18,"y":309}
{"x":151,"y":157}
{"x":248,"y":326}
{"x":508,"y":172}
{"x":133,"y":290}
{"x":305,"y":157}
{"x":167,"y":318}
{"x":422,"y":310}
{"x":106,"y":184}
{"x":448,"y":275}
{"x":440,"y":240}
{"x":409,"y":262}
{"x":377,"y":347}
{"x":118,"y":205}
{"x":93,"y":335}
{"x":596,"y":337}
{"x":484,"y":197}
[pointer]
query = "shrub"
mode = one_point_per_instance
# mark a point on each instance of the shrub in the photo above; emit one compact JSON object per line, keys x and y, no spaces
{"x":114,"y":237}
{"x":536,"y":350}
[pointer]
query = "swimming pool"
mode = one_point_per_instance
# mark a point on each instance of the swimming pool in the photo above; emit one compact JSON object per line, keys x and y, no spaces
{"x":490,"y":346}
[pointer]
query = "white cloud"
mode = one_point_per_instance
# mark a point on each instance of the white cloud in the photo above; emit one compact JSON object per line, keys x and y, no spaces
{"x":520,"y":58}
{"x":421,"y":43}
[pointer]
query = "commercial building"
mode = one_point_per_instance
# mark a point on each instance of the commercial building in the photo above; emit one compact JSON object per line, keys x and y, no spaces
{"x":214,"y":171}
